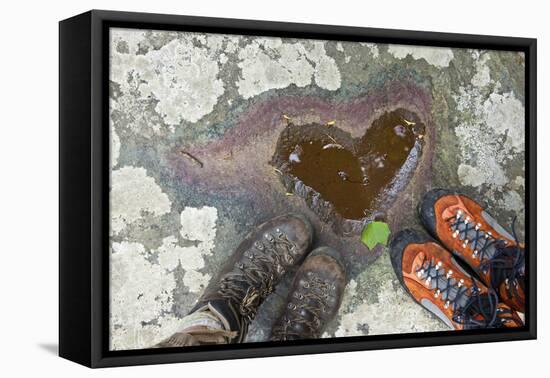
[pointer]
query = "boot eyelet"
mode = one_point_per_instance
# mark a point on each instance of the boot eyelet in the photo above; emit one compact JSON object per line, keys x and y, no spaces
{"x":259,"y":246}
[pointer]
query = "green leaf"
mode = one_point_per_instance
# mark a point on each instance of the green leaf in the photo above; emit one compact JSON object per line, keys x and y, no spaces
{"x":375,"y":233}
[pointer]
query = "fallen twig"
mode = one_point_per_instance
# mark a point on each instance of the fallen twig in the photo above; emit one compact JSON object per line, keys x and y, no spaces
{"x":192,"y":158}
{"x":331,"y":138}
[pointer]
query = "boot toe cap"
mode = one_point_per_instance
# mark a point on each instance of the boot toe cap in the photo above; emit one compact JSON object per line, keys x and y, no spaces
{"x":426,"y":208}
{"x":299,"y":230}
{"x":397,"y":247}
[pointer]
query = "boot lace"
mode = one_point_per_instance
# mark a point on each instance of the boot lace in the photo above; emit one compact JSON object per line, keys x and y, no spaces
{"x":257,"y":273}
{"x":496,"y":257}
{"x":470,"y":307}
{"x":305,"y":309}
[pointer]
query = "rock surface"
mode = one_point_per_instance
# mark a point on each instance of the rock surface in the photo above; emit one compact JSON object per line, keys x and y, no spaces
{"x":194,"y":120}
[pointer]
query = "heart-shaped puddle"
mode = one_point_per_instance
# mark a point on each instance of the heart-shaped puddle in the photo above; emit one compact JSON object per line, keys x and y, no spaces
{"x":336,"y":173}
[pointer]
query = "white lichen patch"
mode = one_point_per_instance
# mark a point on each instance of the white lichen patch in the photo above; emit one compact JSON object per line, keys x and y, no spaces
{"x":482,"y":77}
{"x":139,"y":292}
{"x":199,"y":226}
{"x":134,"y":194}
{"x":519,"y":182}
{"x":199,"y":223}
{"x":489,"y":172}
{"x":393,"y":313}
{"x":513,"y":201}
{"x":142,"y":291}
{"x":389,"y":310}
{"x":170,"y":254}
{"x":182,"y":76}
{"x":145,"y":335}
{"x":491,"y":132}
{"x":131,"y":112}
{"x":126,"y":41}
{"x":270,"y":63}
{"x":115,"y":148}
{"x":505,"y":114}
{"x":373,"y":47}
{"x":436,"y":56}
{"x":196,"y":281}
{"x":491,"y":128}
{"x":349,"y":294}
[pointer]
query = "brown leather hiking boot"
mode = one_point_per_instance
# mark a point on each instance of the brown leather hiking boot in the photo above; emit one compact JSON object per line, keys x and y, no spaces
{"x":465,"y":228}
{"x":252,"y":272}
{"x":435,"y":279}
{"x":314,"y":297}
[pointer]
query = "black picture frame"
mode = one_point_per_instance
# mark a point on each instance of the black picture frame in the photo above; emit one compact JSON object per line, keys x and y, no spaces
{"x":84,"y":187}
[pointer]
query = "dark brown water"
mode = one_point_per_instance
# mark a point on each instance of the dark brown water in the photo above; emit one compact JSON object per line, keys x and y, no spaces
{"x":351,"y":173}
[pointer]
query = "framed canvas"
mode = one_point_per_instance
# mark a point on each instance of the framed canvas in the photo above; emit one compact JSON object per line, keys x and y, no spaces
{"x":234,"y":188}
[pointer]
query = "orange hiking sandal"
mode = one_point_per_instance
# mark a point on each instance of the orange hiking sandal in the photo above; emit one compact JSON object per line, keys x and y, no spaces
{"x":435,"y":279}
{"x":466,"y":229}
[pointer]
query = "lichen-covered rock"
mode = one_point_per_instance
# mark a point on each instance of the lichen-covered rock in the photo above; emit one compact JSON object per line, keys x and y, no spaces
{"x":195,"y":119}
